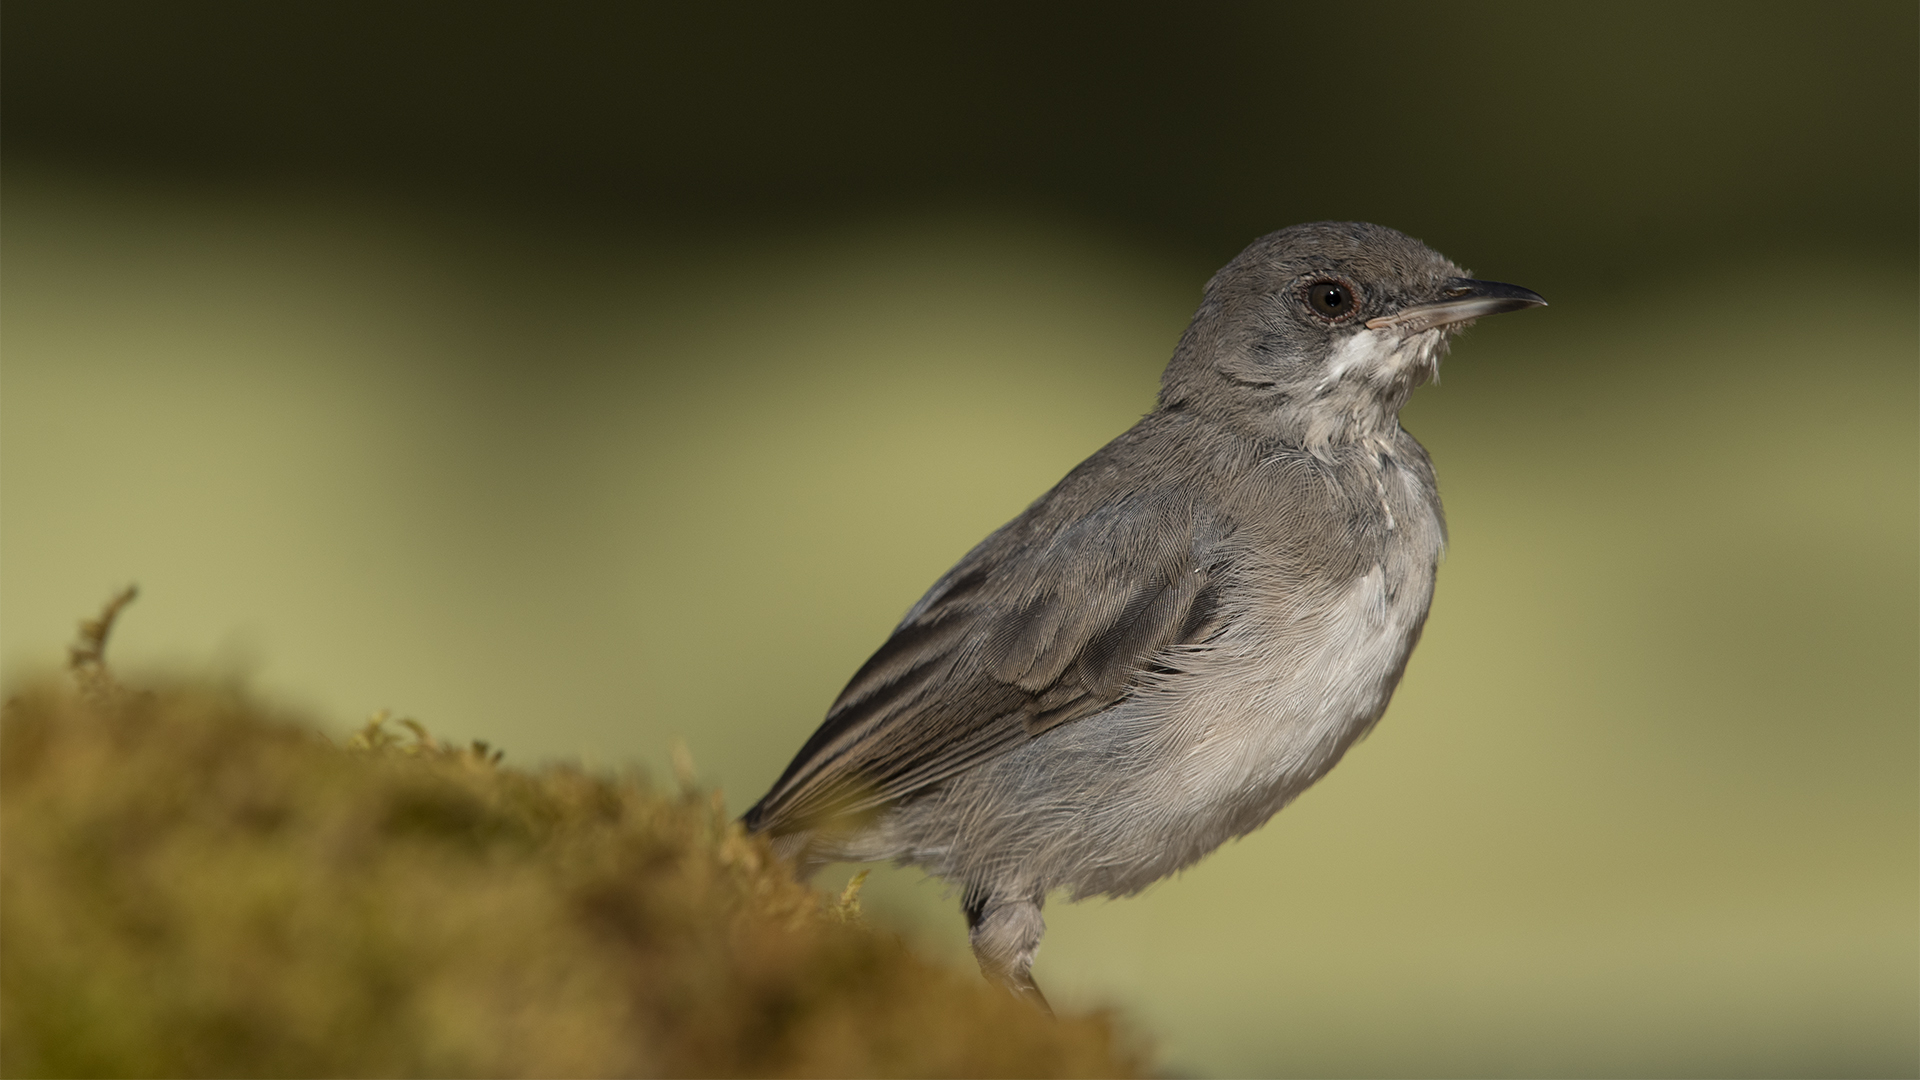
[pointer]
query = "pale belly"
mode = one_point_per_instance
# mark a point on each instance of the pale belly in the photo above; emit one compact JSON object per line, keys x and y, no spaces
{"x":1241,"y":726}
{"x":1114,"y":802}
{"x":1272,"y":709}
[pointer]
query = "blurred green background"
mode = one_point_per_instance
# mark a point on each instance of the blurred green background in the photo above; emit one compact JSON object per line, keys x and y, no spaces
{"x":585,"y":377}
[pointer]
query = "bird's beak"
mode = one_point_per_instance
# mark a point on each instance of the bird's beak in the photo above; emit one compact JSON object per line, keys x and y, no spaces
{"x":1466,"y":299}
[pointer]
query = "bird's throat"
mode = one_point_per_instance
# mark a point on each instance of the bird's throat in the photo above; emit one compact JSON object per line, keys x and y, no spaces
{"x":1367,"y":378}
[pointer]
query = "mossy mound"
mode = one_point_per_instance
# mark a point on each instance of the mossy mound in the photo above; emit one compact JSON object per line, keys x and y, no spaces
{"x":191,"y":884}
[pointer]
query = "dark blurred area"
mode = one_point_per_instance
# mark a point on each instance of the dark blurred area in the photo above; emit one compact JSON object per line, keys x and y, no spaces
{"x":1598,"y":141}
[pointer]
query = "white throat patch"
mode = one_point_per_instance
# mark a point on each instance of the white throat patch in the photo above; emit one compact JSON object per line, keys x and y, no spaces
{"x":1383,"y":356}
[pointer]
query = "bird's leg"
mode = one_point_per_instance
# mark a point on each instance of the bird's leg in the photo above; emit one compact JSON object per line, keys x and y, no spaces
{"x":1005,"y":934}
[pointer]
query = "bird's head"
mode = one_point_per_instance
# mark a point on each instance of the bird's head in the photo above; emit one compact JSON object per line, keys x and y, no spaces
{"x":1317,"y":333}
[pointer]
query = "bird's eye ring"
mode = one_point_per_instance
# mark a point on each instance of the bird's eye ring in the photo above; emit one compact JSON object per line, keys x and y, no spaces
{"x":1329,"y":299}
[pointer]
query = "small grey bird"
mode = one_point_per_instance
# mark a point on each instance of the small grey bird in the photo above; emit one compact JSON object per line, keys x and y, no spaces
{"x":1186,"y":632}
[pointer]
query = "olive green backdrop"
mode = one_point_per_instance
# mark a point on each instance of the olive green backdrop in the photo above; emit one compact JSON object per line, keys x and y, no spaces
{"x":586,"y":378}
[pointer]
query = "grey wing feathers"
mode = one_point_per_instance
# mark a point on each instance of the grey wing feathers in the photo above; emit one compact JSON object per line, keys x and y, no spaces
{"x":1036,"y":627}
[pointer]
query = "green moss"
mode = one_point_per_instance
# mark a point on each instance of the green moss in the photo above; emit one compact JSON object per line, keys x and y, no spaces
{"x":193,"y":884}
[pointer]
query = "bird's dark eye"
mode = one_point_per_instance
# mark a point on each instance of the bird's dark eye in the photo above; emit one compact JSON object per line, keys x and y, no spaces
{"x":1329,"y":299}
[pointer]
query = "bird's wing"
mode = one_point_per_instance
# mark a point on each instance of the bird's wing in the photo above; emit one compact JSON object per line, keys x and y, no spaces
{"x":1044,"y":623}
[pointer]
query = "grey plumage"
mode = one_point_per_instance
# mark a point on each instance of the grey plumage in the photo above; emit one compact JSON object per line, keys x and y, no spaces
{"x":1187,"y":631}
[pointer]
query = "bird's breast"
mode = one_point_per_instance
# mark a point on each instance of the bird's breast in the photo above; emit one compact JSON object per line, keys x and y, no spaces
{"x":1304,"y":665}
